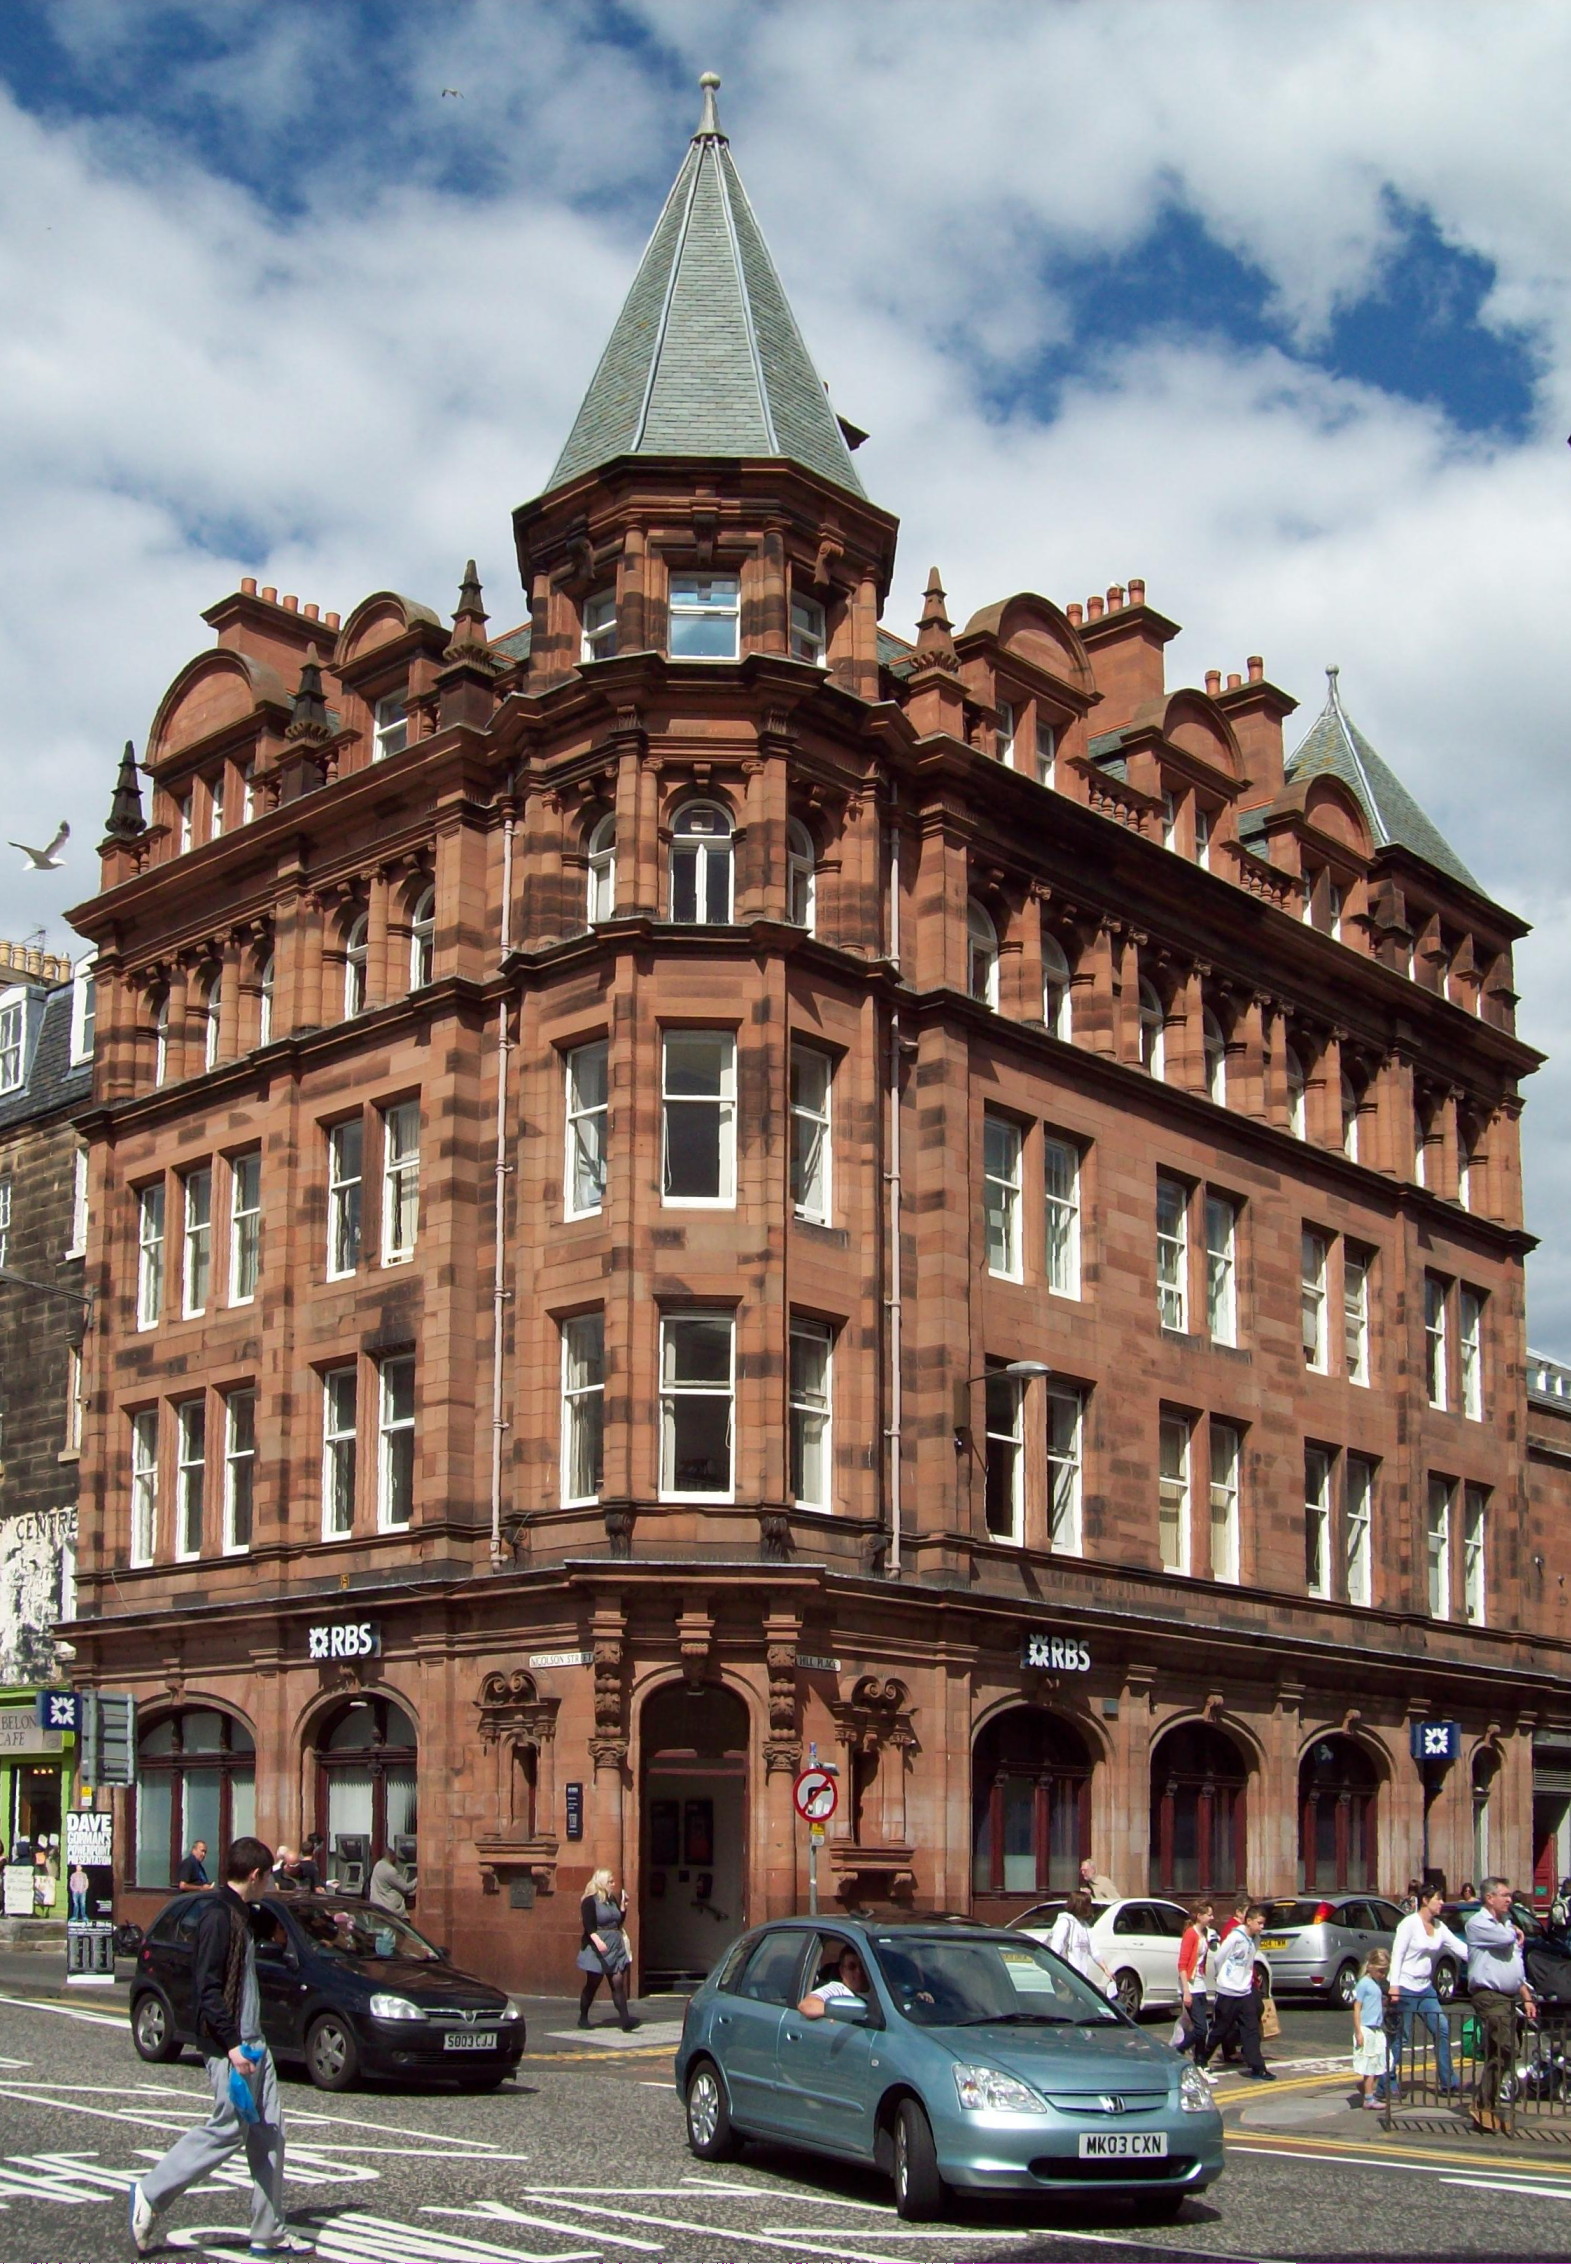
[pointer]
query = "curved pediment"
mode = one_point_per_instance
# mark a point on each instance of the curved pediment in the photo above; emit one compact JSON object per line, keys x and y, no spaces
{"x":377,"y":620}
{"x":215,"y":689}
{"x":1193,"y":722}
{"x":1039,"y":632}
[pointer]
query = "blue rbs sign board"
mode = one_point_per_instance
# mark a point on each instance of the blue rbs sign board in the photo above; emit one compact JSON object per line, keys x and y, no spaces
{"x":1436,"y":1741}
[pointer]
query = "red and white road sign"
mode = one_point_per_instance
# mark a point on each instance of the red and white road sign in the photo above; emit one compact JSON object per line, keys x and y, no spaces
{"x":816,"y":1794}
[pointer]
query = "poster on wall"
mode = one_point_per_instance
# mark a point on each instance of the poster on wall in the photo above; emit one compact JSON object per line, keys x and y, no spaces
{"x":90,"y":1891}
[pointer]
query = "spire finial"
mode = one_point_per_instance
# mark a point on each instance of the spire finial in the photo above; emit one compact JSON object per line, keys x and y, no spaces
{"x":709,"y":124}
{"x":935,"y":641}
{"x":308,"y":717}
{"x":125,"y":809}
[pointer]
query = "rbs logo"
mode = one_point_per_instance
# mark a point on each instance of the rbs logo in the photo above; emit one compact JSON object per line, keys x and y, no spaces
{"x":348,"y":1639}
{"x":1060,"y":1651}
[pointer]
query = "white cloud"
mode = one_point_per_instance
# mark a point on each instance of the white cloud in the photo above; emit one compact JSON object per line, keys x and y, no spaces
{"x":354,"y":389}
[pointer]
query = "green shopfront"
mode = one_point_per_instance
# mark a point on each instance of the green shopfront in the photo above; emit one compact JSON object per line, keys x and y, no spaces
{"x":36,"y":1777}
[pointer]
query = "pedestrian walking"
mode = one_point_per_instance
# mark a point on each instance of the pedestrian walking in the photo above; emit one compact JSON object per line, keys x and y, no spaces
{"x":1194,"y":1953}
{"x":1237,"y":2011}
{"x":229,"y":2024}
{"x":1070,"y":1939}
{"x":1371,"y":2049}
{"x":193,"y":1868}
{"x":604,"y":1954}
{"x":1097,"y":1884}
{"x":1497,"y":1983}
{"x":391,"y":1886}
{"x":1420,"y":1942}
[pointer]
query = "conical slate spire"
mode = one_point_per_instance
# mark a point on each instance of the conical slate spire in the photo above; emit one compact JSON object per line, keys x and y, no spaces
{"x":469,"y":609}
{"x":935,"y":638}
{"x":706,"y":358}
{"x":125,"y":806}
{"x":308,"y":710}
{"x":1334,"y":747}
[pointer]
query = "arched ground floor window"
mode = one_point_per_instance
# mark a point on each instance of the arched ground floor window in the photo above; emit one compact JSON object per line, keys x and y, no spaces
{"x":1031,"y":1803}
{"x":1199,"y":1793}
{"x":366,"y":1755}
{"x":196,"y":1780}
{"x":1338,"y":1795}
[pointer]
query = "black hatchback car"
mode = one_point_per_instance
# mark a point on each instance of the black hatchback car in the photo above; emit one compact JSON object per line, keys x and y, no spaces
{"x":346,"y":1988}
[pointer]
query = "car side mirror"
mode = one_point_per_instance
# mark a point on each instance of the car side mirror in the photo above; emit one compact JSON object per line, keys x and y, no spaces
{"x":852,"y":2010}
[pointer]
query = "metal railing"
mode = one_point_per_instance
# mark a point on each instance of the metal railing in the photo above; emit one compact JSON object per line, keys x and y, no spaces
{"x":1515,"y":2079}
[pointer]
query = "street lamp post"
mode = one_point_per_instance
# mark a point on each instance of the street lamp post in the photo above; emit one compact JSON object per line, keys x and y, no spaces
{"x":1023,"y":1371}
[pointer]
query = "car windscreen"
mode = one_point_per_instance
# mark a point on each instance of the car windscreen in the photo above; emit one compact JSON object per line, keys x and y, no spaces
{"x":1280,"y":1914}
{"x":953,"y":1984}
{"x":361,"y":1934}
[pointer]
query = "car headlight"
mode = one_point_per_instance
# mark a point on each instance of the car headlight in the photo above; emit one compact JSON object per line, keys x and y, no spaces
{"x":511,"y":2012}
{"x":384,"y":2007}
{"x":986,"y":2087}
{"x":1194,"y":2093}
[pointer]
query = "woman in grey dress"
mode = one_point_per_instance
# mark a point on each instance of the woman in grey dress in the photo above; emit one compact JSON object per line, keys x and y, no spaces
{"x":605,"y":1952}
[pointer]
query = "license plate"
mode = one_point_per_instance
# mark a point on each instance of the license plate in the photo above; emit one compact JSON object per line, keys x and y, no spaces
{"x":1122,"y":2145}
{"x":1273,"y":1941}
{"x":471,"y":2040}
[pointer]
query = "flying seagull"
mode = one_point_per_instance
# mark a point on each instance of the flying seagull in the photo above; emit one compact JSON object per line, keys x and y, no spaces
{"x":44,"y":860}
{"x":457,"y":93}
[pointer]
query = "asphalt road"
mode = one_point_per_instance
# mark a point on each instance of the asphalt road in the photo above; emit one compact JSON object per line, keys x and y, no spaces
{"x":583,"y":2161}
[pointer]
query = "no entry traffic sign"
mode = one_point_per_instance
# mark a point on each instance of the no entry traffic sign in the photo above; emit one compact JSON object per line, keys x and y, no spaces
{"x":816,"y":1794}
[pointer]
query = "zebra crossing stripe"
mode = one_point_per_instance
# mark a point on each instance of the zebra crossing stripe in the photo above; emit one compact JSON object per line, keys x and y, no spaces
{"x":358,"y":2238}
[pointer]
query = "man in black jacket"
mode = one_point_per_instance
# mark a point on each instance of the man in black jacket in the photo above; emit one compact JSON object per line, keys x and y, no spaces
{"x":228,"y":2019}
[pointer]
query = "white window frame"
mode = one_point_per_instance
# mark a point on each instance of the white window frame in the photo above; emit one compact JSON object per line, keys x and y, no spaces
{"x":1046,"y":753}
{"x":1066,"y":1408}
{"x":1420,"y":1148}
{"x":809,"y":630}
{"x":239,"y":1457}
{"x":196,"y":1252}
{"x":1313,"y":1267}
{"x":422,"y":939}
{"x":340,"y":1450}
{"x":1358,"y":1513}
{"x":265,"y":981}
{"x":583,"y":1403}
{"x":714,"y":598}
{"x":1470,"y":1350}
{"x":1169,"y":819}
{"x":1297,"y":1093}
{"x":1357,"y":1341}
{"x":1437,"y":1545}
{"x":1003,"y":1155}
{"x":811,"y":1398}
{"x":601,"y":854}
{"x":400,"y":1182}
{"x":144,"y":1486}
{"x":75,"y":1397}
{"x":598,"y":626}
{"x":13,"y":1043}
{"x":1437,"y":1341}
{"x":673,"y":1389}
{"x":184,"y":829}
{"x":245,"y":1226}
{"x":1172,"y":1253}
{"x":981,"y":954}
{"x":77,"y":1246}
{"x":586,"y":1128}
{"x":1225,"y":1451}
{"x":390,"y":725}
{"x":711,"y":852}
{"x":1204,"y":822}
{"x":1318,"y":1470}
{"x":1061,"y":1165}
{"x":1003,"y":1431}
{"x":5,"y":1222}
{"x":161,"y":1039}
{"x":209,"y":1013}
{"x":345,"y":1197}
{"x":1221,"y":1268}
{"x":247,"y":793}
{"x":1475,"y":1554}
{"x":723,"y":1103}
{"x":812,"y":1139}
{"x":190,"y":1477}
{"x":1214,"y":1043}
{"x":801,"y":877}
{"x":357,"y":962}
{"x":215,"y":805}
{"x":84,"y":1009}
{"x":1057,"y":989}
{"x":1153,"y":1030}
{"x":1175,"y":1487}
{"x":1005,"y":730}
{"x":1350,"y":1106}
{"x":392,"y":1431}
{"x":150,"y":1255}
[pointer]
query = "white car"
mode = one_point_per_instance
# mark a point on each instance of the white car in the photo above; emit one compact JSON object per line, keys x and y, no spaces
{"x":1136,"y":1940}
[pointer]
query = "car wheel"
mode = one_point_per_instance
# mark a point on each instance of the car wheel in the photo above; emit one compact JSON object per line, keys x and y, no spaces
{"x":1130,"y":1995}
{"x":919,"y":2190}
{"x":1445,"y":1981}
{"x":1344,"y":1984}
{"x":152,"y":2029}
{"x":709,"y":2131}
{"x":332,"y":2056}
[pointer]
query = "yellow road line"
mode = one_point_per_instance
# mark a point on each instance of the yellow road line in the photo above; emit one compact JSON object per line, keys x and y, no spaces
{"x":1283,"y":2083}
{"x":1362,"y":2149}
{"x":589,"y":2057}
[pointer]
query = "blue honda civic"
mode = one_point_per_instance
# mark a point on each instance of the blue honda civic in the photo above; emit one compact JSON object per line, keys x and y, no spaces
{"x":947,"y":2055}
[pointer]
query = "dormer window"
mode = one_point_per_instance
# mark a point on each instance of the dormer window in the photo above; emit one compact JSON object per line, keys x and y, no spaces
{"x":1046,"y":753}
{"x":701,"y":866}
{"x":809,"y":636}
{"x":801,"y":876}
{"x":357,"y":950}
{"x":215,"y":807}
{"x":1203,"y":824}
{"x":13,"y":1031}
{"x":183,"y":834}
{"x":981,"y":955}
{"x":1004,"y":731}
{"x":83,"y":1008}
{"x":390,"y":727}
{"x":1169,"y":821}
{"x":422,"y":941}
{"x":602,"y":871}
{"x":599,"y":626}
{"x":705,"y":617}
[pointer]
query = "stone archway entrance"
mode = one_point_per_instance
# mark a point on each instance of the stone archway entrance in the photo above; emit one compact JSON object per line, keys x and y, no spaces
{"x":692,"y":1830}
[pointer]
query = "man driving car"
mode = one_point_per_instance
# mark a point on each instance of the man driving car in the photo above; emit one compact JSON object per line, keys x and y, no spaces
{"x":852,"y":1982}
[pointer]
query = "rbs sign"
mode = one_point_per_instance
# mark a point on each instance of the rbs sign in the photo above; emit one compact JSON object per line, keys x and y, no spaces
{"x":1436,"y":1741}
{"x":346,"y":1639}
{"x":1063,"y":1652}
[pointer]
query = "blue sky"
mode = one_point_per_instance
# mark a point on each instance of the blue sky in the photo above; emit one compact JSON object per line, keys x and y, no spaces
{"x":1268,"y":305}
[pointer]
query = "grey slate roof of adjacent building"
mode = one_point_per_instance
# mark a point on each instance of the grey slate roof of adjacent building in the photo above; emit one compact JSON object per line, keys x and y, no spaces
{"x":1336,"y":748}
{"x":51,"y":1081}
{"x":706,"y":358}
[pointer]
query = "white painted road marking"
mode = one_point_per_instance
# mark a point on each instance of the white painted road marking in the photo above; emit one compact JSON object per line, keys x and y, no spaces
{"x":71,"y":2012}
{"x":356,"y":2238}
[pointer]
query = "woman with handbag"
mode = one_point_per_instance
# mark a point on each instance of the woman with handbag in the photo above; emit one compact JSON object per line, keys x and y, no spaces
{"x":605,"y":1954}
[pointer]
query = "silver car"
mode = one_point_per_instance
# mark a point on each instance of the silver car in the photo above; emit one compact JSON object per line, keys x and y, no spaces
{"x":1316,"y":1945}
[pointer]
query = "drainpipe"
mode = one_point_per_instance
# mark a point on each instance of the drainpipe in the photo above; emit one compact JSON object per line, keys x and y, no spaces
{"x":501,"y":1167}
{"x":892,"y":1430}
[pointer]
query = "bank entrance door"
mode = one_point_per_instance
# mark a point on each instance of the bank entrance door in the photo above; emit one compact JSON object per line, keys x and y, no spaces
{"x":692,"y":1831}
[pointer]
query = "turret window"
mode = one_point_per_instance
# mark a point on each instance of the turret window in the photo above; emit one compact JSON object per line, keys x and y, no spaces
{"x":809,"y":640}
{"x":1055,"y":987}
{"x":602,"y":871}
{"x":1153,"y":1030}
{"x":701,"y":866}
{"x":356,"y":956}
{"x":705,"y":616}
{"x":390,"y":727}
{"x":600,"y":625}
{"x":422,"y":941}
{"x":801,"y":876}
{"x":981,"y":954}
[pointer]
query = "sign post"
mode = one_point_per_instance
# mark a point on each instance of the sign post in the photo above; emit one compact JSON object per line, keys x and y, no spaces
{"x":816,"y":1796}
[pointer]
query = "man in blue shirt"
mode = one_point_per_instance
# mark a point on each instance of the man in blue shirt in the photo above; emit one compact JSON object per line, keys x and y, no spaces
{"x":1497,"y":1982}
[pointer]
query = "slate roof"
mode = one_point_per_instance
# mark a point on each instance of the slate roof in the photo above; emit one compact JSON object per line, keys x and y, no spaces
{"x":52,"y":1083}
{"x":706,"y":358}
{"x":1336,"y":748}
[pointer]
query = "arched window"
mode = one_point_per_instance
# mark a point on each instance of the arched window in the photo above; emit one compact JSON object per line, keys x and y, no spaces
{"x":1338,"y":1791}
{"x":1297,"y":1086}
{"x":1055,"y":987}
{"x":196,"y":1780}
{"x":264,"y":985}
{"x":366,"y":1758}
{"x":208,"y":1014}
{"x":1216,"y":1055}
{"x":1486,"y":1767}
{"x":161,"y":1038}
{"x":981,"y":954}
{"x":1198,"y":1790}
{"x":701,"y":866}
{"x":1350,"y":1105}
{"x":1420,"y":1145}
{"x":422,"y":940}
{"x":1031,"y":1804}
{"x":356,"y":953}
{"x":1153,"y":1029}
{"x":801,"y":876}
{"x":602,"y":871}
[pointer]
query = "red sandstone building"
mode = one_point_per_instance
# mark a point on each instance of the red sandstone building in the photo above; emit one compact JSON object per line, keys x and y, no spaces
{"x":697,"y":1178}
